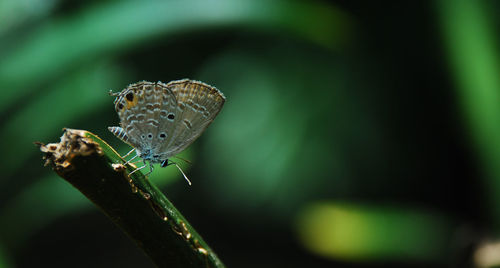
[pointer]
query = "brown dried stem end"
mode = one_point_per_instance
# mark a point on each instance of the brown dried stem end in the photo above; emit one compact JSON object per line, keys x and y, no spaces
{"x":73,"y":143}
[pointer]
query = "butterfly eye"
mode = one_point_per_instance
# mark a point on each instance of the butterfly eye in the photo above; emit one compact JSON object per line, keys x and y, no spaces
{"x":120,"y":106}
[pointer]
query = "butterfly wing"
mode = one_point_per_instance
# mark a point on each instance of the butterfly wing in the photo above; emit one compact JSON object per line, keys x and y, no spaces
{"x":143,"y":107}
{"x":197,"y":106}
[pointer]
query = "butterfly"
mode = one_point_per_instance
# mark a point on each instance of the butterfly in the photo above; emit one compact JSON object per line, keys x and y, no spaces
{"x":161,"y":120}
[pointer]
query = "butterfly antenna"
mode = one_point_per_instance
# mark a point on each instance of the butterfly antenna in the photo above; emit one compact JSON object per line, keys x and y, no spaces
{"x":185,"y":177}
{"x":111,"y":93}
{"x":183,"y":159}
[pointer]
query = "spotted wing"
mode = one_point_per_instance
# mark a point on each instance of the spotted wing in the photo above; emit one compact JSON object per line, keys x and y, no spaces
{"x":197,"y":106}
{"x":143,"y":107}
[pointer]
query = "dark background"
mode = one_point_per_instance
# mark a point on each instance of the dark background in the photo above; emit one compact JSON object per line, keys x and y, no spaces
{"x":355,"y":133}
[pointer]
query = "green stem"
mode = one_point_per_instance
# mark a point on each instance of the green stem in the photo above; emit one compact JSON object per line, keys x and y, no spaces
{"x":133,"y":203}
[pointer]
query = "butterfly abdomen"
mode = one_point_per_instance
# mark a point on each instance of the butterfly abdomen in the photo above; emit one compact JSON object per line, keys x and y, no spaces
{"x":119,"y":133}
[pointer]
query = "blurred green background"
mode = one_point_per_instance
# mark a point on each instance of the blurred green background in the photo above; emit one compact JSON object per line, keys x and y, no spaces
{"x":355,"y":133}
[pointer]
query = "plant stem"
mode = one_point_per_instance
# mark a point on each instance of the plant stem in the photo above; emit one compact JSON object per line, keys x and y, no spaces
{"x":132,"y":203}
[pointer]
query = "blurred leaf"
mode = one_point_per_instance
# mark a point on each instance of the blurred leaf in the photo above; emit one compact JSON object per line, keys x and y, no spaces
{"x":109,"y":27}
{"x":38,"y":205}
{"x":487,"y":255}
{"x":252,"y":126}
{"x":471,"y":41}
{"x":4,"y":261}
{"x":362,"y":232}
{"x":274,"y":140}
{"x":16,"y":12}
{"x":74,"y":97}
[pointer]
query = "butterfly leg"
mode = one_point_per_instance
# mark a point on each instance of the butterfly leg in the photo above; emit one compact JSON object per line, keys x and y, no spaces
{"x":130,"y":160}
{"x":150,"y":169}
{"x":137,"y":169}
{"x":136,"y":161}
{"x":133,"y":149}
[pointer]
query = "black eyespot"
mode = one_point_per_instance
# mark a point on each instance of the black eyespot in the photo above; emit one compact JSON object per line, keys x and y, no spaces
{"x":171,"y":116}
{"x":120,"y":106}
{"x":130,"y":96}
{"x":162,"y":135}
{"x":156,"y":156}
{"x":143,"y":136}
{"x":150,"y":135}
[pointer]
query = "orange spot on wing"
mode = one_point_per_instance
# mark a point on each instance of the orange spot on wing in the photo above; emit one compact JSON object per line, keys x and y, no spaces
{"x":133,"y":103}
